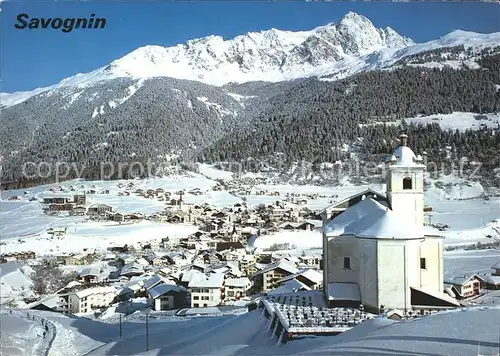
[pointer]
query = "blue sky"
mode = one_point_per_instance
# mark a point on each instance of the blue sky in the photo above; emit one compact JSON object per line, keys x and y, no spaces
{"x":35,"y":58}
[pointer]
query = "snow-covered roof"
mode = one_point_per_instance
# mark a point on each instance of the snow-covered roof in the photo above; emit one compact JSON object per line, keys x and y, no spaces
{"x":405,"y":155}
{"x":308,"y":273}
{"x":89,"y":271}
{"x":496,"y":265}
{"x":289,"y":287}
{"x":163,"y":288}
{"x":343,"y":291}
{"x":284,"y":265}
{"x":237,"y":282}
{"x":131,"y":268}
{"x":495,"y":280}
{"x":153,"y":281}
{"x":460,"y":280}
{"x":382,"y":222}
{"x":97,"y":290}
{"x":337,"y":225}
{"x":439,"y":295}
{"x":202,"y":281}
{"x":191,"y":274}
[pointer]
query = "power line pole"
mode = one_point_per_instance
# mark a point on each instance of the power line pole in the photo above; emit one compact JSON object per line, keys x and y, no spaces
{"x":147,"y":333}
{"x":120,"y":325}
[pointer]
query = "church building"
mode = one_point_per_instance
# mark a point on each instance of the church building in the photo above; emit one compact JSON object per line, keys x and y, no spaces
{"x":376,"y":252}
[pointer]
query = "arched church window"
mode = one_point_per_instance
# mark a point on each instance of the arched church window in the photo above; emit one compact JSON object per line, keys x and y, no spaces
{"x":407,"y":183}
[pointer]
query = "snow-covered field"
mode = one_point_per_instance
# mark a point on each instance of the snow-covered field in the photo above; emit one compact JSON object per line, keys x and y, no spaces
{"x":455,"y":201}
{"x":458,"y":332}
{"x":456,"y":121}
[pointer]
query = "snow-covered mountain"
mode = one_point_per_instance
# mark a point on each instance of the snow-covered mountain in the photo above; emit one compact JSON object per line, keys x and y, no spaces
{"x":338,"y":50}
{"x":271,"y":55}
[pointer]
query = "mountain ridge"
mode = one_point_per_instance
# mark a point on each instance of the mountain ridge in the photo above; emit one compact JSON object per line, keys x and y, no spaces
{"x":251,"y":56}
{"x":337,"y":49}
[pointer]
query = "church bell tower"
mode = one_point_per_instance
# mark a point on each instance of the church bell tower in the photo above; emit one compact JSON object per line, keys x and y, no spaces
{"x":405,"y":182}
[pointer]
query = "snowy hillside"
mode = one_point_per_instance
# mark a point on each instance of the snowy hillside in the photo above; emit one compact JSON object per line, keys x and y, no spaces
{"x":459,"y":332}
{"x":336,"y":50}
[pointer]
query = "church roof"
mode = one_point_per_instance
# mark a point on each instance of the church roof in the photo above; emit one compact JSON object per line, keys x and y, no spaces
{"x":404,"y":155}
{"x":381,"y":222}
{"x":337,"y":225}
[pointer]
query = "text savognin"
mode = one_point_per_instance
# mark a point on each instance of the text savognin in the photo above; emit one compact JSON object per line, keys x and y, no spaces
{"x":65,"y":25}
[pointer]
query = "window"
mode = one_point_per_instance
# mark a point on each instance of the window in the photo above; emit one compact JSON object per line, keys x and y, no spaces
{"x":407,"y":183}
{"x":422,"y":263}
{"x":196,"y":297}
{"x":195,"y":305}
{"x":347,"y":263}
{"x":205,"y":305}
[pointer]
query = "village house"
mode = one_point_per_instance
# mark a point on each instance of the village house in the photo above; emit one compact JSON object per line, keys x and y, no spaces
{"x":206,"y":291}
{"x":266,"y":278}
{"x":466,"y":286}
{"x":167,"y":297}
{"x":89,"y":275}
{"x":304,"y":225}
{"x":79,"y":210}
{"x":312,"y":261}
{"x":491,"y":282}
{"x":87,"y":299}
{"x":132,"y":269}
{"x":116,"y":216}
{"x":79,"y":259}
{"x":18,"y":256}
{"x":99,"y":209}
{"x":237,"y":288}
{"x":375,"y":251}
{"x":309,"y":277}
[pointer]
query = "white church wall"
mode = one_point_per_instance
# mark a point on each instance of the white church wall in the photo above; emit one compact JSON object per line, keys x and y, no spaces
{"x":391,"y":275}
{"x":368,"y":275}
{"x":412,"y":265}
{"x":338,"y":248}
{"x":432,"y":276}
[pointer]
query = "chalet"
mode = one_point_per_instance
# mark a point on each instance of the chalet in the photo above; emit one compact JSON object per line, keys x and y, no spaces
{"x":99,"y":209}
{"x":79,"y":210}
{"x":178,"y":217}
{"x":116,"y":216}
{"x":139,"y":191}
{"x":237,"y":287}
{"x":89,"y":275}
{"x":266,"y":278}
{"x":134,"y":216}
{"x":167,"y":296}
{"x":467,"y":286}
{"x":206,"y":291}
{"x":159,"y":191}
